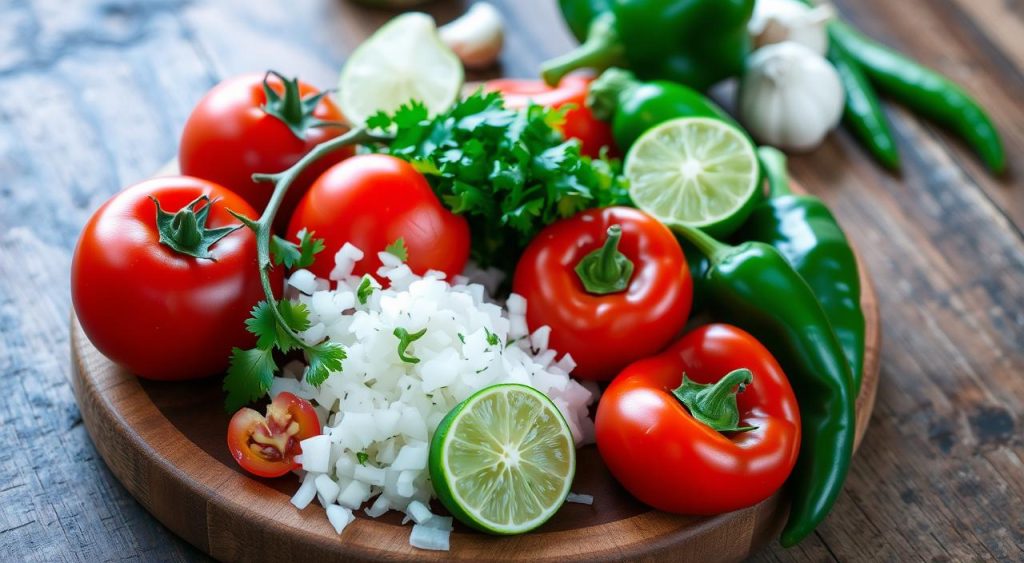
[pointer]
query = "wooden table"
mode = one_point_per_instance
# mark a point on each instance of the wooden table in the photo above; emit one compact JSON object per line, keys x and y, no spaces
{"x":93,"y":95}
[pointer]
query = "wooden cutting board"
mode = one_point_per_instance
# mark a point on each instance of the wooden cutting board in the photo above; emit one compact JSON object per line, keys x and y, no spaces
{"x":165,"y":442}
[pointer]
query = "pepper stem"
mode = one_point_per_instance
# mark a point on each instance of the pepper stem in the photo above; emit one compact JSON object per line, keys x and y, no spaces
{"x":714,"y":404}
{"x":704,"y":243}
{"x":605,"y":91}
{"x":601,"y":50}
{"x":773,"y":162}
{"x":606,"y":270}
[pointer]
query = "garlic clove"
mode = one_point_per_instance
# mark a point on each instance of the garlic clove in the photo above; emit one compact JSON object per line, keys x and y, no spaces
{"x":775,"y":21}
{"x":476,"y":37}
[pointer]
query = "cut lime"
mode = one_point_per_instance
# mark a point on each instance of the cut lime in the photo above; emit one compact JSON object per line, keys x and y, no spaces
{"x":695,"y":171}
{"x":404,"y":60}
{"x":503,"y":460}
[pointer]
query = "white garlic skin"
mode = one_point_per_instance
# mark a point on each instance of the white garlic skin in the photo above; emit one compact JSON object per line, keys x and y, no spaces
{"x":776,"y":21}
{"x":790,"y":97}
{"x":476,"y":37}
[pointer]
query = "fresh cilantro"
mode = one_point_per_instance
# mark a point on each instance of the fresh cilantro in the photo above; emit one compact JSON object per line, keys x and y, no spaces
{"x":404,"y":340}
{"x":362,"y":458}
{"x":398,"y":249}
{"x":366,"y":287}
{"x":509,"y":172}
{"x":251,"y":372}
{"x":492,"y":338}
{"x":462,"y":337}
{"x":293,"y":255}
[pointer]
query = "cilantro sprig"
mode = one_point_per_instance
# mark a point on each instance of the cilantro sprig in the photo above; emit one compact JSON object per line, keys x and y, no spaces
{"x":509,"y":172}
{"x":292,"y":255}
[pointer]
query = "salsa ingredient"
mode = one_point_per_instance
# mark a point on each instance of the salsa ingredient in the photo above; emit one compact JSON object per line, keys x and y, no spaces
{"x":708,"y":426}
{"x":569,"y":96}
{"x":611,"y":283}
{"x":502,"y":461}
{"x":509,"y":172}
{"x":476,"y":36}
{"x":372,"y":201}
{"x":924,"y":91}
{"x":382,"y":411}
{"x":775,"y":21}
{"x":162,"y":278}
{"x":403,"y":60}
{"x":790,"y":96}
{"x":754,"y":287}
{"x":804,"y":231}
{"x":266,"y":446}
{"x":693,"y":42}
{"x":695,"y":171}
{"x":259,"y":123}
{"x":632,"y":106}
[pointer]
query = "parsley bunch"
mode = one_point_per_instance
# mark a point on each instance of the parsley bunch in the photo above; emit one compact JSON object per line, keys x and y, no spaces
{"x":509,"y":172}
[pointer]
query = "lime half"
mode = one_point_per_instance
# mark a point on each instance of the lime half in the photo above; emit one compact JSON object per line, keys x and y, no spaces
{"x":503,"y":460}
{"x":695,"y":171}
{"x":404,"y":60}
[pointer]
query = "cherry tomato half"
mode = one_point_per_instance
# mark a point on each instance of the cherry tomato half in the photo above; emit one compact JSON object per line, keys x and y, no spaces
{"x":160,"y":313}
{"x":580,"y":123}
{"x":372,"y":200}
{"x":231,"y":135}
{"x":267,"y":445}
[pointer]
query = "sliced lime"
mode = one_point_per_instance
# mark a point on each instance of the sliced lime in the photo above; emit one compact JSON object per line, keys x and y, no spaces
{"x":404,"y":60}
{"x":695,"y":171}
{"x":503,"y":460}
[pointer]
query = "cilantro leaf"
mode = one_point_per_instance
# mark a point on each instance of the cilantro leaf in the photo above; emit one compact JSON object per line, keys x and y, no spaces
{"x":249,"y":376}
{"x":366,"y":287}
{"x":263,"y":324}
{"x":323,"y":359}
{"x":492,"y":339}
{"x":398,"y":249}
{"x":404,"y":340}
{"x":293,"y":255}
{"x":362,"y":458}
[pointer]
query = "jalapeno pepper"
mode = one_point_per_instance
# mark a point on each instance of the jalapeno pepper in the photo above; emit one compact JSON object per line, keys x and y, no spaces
{"x":924,"y":91}
{"x":632,"y":107}
{"x":803,"y":229}
{"x":753,"y":286}
{"x":693,"y":42}
{"x":863,"y":112}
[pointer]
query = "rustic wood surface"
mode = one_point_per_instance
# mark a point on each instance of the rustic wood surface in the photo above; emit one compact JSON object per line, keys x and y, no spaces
{"x":93,"y":94}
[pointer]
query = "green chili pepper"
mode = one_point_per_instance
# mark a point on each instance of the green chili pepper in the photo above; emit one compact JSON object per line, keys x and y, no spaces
{"x":753,"y":286}
{"x":803,"y":229}
{"x":632,"y":107}
{"x":693,"y":42}
{"x":863,"y":113}
{"x":924,"y":91}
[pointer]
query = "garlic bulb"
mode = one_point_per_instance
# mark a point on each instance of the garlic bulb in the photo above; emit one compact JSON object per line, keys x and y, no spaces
{"x":476,"y":36}
{"x":775,"y":21}
{"x":790,"y":96}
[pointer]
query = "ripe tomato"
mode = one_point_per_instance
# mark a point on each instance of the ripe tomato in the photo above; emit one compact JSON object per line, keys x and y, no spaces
{"x":606,"y":331}
{"x":233,"y":133}
{"x":580,"y":123}
{"x":267,"y":446}
{"x":370,"y":201}
{"x":161,"y":313}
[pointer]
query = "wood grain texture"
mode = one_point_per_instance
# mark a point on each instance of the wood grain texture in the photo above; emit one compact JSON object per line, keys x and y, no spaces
{"x":165,"y":443}
{"x":95,"y":93}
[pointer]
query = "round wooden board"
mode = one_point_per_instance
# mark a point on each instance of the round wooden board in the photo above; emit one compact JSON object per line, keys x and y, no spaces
{"x":165,"y":443}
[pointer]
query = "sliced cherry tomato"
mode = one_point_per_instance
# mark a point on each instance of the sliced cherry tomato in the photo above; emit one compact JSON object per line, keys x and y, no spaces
{"x":234,"y":133}
{"x":267,"y":445}
{"x":159,"y":311}
{"x":580,"y":123}
{"x":371,"y":201}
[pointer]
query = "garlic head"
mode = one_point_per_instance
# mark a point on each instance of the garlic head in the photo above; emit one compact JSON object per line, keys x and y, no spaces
{"x":790,"y":96}
{"x":476,"y":36}
{"x":775,"y":21}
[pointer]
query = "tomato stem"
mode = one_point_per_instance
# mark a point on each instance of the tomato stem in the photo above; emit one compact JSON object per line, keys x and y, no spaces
{"x":714,"y":404}
{"x":606,"y":270}
{"x":185,"y":230}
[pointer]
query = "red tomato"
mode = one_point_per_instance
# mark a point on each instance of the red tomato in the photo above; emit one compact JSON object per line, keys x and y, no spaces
{"x":160,"y":313}
{"x":580,"y":123}
{"x":372,"y":200}
{"x":267,"y":446}
{"x":605,"y":332}
{"x":230,"y":136}
{"x":666,"y":458}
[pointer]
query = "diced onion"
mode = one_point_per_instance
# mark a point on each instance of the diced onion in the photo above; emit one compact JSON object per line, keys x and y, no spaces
{"x":425,"y":537}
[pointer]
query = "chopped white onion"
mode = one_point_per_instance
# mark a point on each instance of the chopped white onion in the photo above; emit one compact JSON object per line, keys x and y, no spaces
{"x":419,"y":512}
{"x":306,"y":492}
{"x":339,"y":517}
{"x":580,"y":498}
{"x":316,"y":453}
{"x":326,"y":490}
{"x":425,"y":537}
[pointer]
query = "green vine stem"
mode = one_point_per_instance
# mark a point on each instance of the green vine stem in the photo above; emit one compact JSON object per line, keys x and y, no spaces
{"x":263,"y":227}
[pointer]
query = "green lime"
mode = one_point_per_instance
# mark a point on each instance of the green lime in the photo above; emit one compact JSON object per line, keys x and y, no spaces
{"x":695,"y":171}
{"x":503,"y":460}
{"x":404,"y":60}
